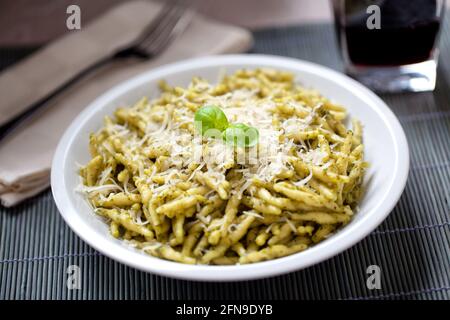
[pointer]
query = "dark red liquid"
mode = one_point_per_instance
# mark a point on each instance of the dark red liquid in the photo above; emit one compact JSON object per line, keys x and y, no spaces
{"x":407,"y":34}
{"x":396,"y":46}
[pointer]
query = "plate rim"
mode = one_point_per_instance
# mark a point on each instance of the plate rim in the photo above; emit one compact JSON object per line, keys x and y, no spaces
{"x":236,"y":272}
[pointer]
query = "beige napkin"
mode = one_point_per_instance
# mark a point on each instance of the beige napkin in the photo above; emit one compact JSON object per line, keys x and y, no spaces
{"x":26,"y":155}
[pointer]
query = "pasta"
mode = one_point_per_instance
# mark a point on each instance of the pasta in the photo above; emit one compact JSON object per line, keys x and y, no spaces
{"x":198,"y":199}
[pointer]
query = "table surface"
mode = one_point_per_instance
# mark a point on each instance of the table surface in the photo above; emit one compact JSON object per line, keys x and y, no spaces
{"x":412,"y":246}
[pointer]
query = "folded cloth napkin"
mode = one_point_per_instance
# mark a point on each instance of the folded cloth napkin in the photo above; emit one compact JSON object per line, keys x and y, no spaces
{"x":26,"y":154}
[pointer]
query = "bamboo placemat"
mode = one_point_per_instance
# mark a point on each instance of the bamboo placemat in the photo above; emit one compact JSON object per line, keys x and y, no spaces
{"x":412,"y":247}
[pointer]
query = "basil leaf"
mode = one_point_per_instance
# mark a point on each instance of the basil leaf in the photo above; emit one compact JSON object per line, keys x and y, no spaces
{"x":240,"y":134}
{"x":208,"y":118}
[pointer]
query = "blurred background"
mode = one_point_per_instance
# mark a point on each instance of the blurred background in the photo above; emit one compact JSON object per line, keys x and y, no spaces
{"x":34,"y":22}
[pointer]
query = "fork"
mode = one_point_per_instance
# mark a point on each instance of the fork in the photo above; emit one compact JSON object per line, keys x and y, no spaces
{"x":171,"y":20}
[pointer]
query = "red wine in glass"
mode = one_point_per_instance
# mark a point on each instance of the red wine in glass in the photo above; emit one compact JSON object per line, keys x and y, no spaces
{"x":407,"y":36}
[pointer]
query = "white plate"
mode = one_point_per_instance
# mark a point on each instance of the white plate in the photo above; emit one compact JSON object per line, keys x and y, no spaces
{"x":384,"y":139}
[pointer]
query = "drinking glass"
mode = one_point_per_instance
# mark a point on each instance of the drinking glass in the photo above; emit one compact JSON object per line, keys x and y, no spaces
{"x":390,"y":45}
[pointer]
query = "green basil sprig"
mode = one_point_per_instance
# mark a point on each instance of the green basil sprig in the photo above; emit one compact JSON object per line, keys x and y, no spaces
{"x":240,"y":134}
{"x":210,"y":117}
{"x":211,"y":120}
